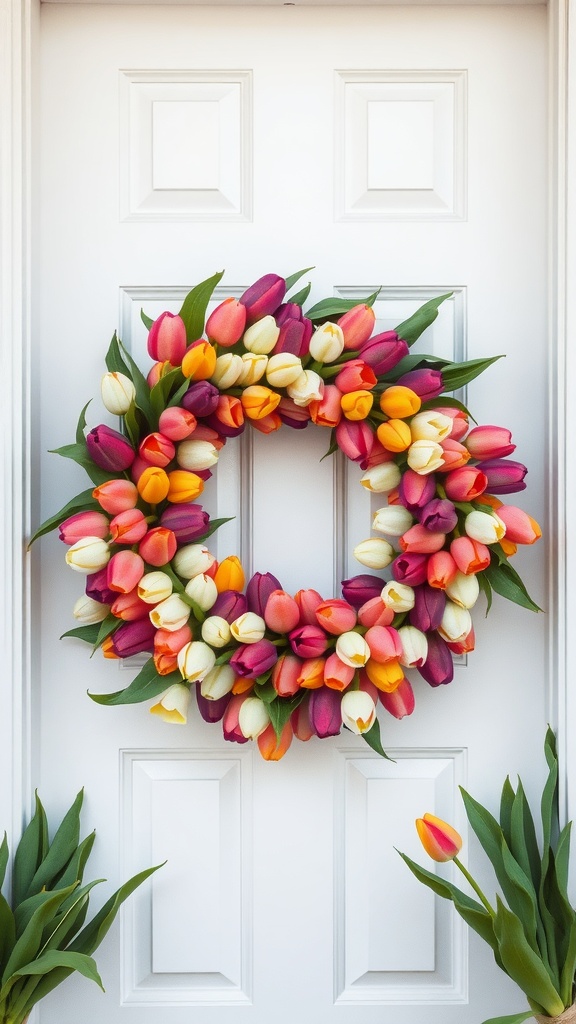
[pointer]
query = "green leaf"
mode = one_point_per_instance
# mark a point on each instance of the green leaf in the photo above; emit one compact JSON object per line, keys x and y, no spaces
{"x":514,"y":1018}
{"x":70,"y":918}
{"x":456,"y":375}
{"x":506,"y":802}
{"x":486,"y":590}
{"x":549,"y":804}
{"x":7,"y":932}
{"x":372,"y":738}
{"x":29,"y":942}
{"x":451,"y":403}
{"x":525,"y":902}
{"x":91,"y":936}
{"x":108,"y":626}
{"x":569,"y":967}
{"x":411,"y":329}
{"x":195,"y":304}
{"x":61,"y":849}
{"x":472,"y":912}
{"x":74,"y":870}
{"x":114,"y":360}
{"x":326,"y":308}
{"x":506,"y":582}
{"x":4,"y":854}
{"x":81,"y":425}
{"x":89,"y":633}
{"x":524,"y":844}
{"x":299,"y":298}
{"x":79,"y":453}
{"x":83,"y":502}
{"x":293,"y":278}
{"x":52,"y":959}
{"x":140,"y":384}
{"x":146,"y":685}
{"x":160,"y":393}
{"x":280,"y":710}
{"x":562,"y":857}
{"x":146,"y":320}
{"x":215,"y":524}
{"x":522,"y":964}
{"x":131,"y":424}
{"x":30,"y":852}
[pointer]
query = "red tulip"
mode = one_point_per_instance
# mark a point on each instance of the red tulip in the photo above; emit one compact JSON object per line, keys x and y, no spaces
{"x":440,"y":840}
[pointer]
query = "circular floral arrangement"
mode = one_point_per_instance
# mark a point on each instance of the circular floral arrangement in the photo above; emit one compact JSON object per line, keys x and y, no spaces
{"x":267,"y":664}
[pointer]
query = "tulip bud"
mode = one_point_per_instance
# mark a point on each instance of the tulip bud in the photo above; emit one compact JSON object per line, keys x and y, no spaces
{"x":156,"y":450}
{"x":357,"y":405}
{"x":283,"y":369}
{"x":358,"y":711}
{"x":425,"y":457}
{"x":464,"y":590}
{"x":421,"y":541}
{"x":285,"y":675}
{"x":262,"y":336}
{"x":426,"y":383}
{"x":355,"y":439}
{"x":398,"y":596}
{"x":130,"y":638}
{"x":253,"y":718}
{"x":225,"y":325}
{"x":465,"y":484}
{"x":272,"y":748}
{"x":441,"y":569}
{"x":153,"y":485}
{"x":441,"y":841}
{"x":167,"y":339}
{"x":438,"y":669}
{"x":430,"y":426}
{"x":324,"y":712}
{"x":385,"y":676}
{"x":263,"y":297}
{"x":384,"y":644}
{"x":399,"y":402}
{"x":258,"y":402}
{"x":393,"y":520}
{"x":414,"y":646}
{"x":173,"y":705}
{"x":375,"y":553}
{"x":176,"y":423}
{"x":489,"y":442}
{"x":259,"y":588}
{"x":520,"y":527}
{"x":352,"y":649}
{"x":97,"y":588}
{"x":470,"y":555}
{"x":230,"y":605}
{"x":128,"y":527}
{"x":308,"y":641}
{"x":158,"y":547}
{"x":394,"y":435}
{"x":384,"y":351}
{"x":214,"y":710}
{"x":336,"y":616}
{"x":202,"y":590}
{"x":327,"y":343}
{"x":192,"y":559}
{"x":217,"y":683}
{"x":359,"y":589}
{"x":504,"y":476}
{"x":381,"y":479}
{"x":484,"y":527}
{"x":183,"y":486}
{"x":171,"y":614}
{"x":88,"y":555}
{"x":88,"y":611}
{"x":401,"y":702}
{"x":84,"y":524}
{"x":154,"y":587}
{"x":429,"y":604}
{"x":228,"y":417}
{"x":248,"y":628}
{"x":199,"y":361}
{"x":375,"y":613}
{"x":109,"y":449}
{"x":439,"y":516}
{"x":118,"y":392}
{"x":201,"y":399}
{"x":216,"y":631}
{"x":124,"y":571}
{"x":130,"y":607}
{"x":294,"y":337}
{"x":337,"y":675}
{"x":116,"y":496}
{"x":187,"y":522}
{"x":281,"y":613}
{"x":195,"y":660}
{"x":253,"y":660}
{"x":308,"y":601}
{"x":196,"y":455}
{"x":311,"y":675}
{"x":357,"y":325}
{"x":307,"y":388}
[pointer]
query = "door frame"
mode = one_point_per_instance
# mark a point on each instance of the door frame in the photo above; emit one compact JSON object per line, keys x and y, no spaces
{"x":19,"y":36}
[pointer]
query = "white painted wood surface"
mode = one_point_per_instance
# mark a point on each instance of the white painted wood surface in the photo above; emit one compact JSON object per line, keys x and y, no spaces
{"x":280,"y":791}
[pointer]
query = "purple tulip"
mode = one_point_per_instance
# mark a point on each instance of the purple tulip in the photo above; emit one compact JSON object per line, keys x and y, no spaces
{"x":308,"y":641}
{"x":438,"y":668}
{"x":426,"y":383}
{"x":201,"y":398}
{"x":439,"y":516}
{"x":212,"y":710}
{"x":259,"y":588}
{"x":263,"y":297}
{"x":229,"y":605}
{"x":384,"y":351}
{"x":132,"y":638}
{"x":109,"y":449}
{"x":504,"y":475}
{"x":429,"y":604}
{"x":359,"y":589}
{"x":187,"y":522}
{"x":97,"y":587}
{"x":292,"y":338}
{"x":324,"y":712}
{"x":415,"y":491}
{"x":251,"y":660}
{"x":410,"y":568}
{"x":288,"y":311}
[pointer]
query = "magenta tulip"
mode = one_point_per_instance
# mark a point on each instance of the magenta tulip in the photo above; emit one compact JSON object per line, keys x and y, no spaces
{"x":230,"y":605}
{"x":109,"y":449}
{"x":252,"y":660}
{"x":415,"y":490}
{"x":130,"y":638}
{"x":201,"y":399}
{"x":359,"y":589}
{"x":438,"y":668}
{"x":384,"y":351}
{"x":308,"y":641}
{"x":324,"y":712}
{"x":426,"y":383}
{"x":429,"y":604}
{"x":504,"y":475}
{"x":439,"y":516}
{"x":489,"y":442}
{"x":212,"y":710}
{"x":187,"y":522}
{"x":84,"y":524}
{"x":410,"y":569}
{"x":258,"y":590}
{"x":295,"y":416}
{"x":230,"y":725}
{"x":355,"y":439}
{"x":292,"y":338}
{"x":401,"y":702}
{"x":97,"y":587}
{"x":167,"y":339}
{"x":263,"y":297}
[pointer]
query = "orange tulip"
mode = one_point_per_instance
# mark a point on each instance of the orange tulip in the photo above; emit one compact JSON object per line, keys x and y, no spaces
{"x":199,"y":362}
{"x":183,"y":486}
{"x":153,"y":485}
{"x":386,"y":677}
{"x":357,"y":404}
{"x":398,"y":402}
{"x":271,"y":748}
{"x":229,"y":574}
{"x":258,"y":401}
{"x":394,"y":435}
{"x":440,"y":840}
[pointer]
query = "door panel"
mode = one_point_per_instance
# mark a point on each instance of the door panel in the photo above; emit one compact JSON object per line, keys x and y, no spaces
{"x":402,"y":147}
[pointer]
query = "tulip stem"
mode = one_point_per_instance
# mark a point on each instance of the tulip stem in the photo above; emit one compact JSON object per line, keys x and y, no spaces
{"x":475,"y":886}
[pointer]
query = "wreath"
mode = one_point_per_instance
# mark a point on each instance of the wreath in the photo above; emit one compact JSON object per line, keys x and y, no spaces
{"x":267,"y":664}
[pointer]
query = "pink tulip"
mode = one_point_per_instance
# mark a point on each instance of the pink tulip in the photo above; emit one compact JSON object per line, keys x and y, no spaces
{"x":384,"y":351}
{"x":300,"y":721}
{"x":337,"y":675}
{"x":441,"y":569}
{"x":375,"y":613}
{"x":504,"y":475}
{"x":355,"y":439}
{"x":488,"y":442}
{"x":130,"y":638}
{"x":465,"y":484}
{"x":308,"y":641}
{"x":176,"y":423}
{"x":470,"y":555}
{"x":253,"y":660}
{"x":454,"y":455}
{"x":84,"y":524}
{"x":156,"y":450}
{"x":109,"y":449}
{"x":356,"y":375}
{"x":128,"y":527}
{"x":263,"y":297}
{"x":410,"y":569}
{"x":167,"y":339}
{"x":336,"y":616}
{"x":324,"y":711}
{"x":225,"y":325}
{"x":401,"y":702}
{"x":124,"y":571}
{"x":129,"y":607}
{"x":308,"y":601}
{"x":520,"y":527}
{"x":295,"y":416}
{"x":328,"y":411}
{"x":281,"y":613}
{"x":357,"y":325}
{"x":438,"y":668}
{"x":285,"y":675}
{"x":416,"y":491}
{"x":421,"y":540}
{"x":230,"y":726}
{"x":116,"y":496}
{"x":158,"y":546}
{"x":384,"y":643}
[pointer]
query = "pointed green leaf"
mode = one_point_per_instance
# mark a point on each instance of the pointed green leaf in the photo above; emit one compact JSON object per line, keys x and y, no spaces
{"x":486,"y":589}
{"x":91,"y":936}
{"x":28,"y":944}
{"x":146,"y":320}
{"x":195,"y":304}
{"x":62,"y":847}
{"x":107,"y":627}
{"x":522,"y":964}
{"x":7,"y":932}
{"x":569,"y":967}
{"x":506,"y":801}
{"x":327,"y":308}
{"x":280,"y":710}
{"x":472,"y":912}
{"x":215,"y":524}
{"x":52,"y":959}
{"x":372,"y":738}
{"x":146,"y":685}
{"x":79,"y":453}
{"x":525,"y":902}
{"x":524,"y":845}
{"x":299,"y":298}
{"x":141,"y":385}
{"x":411,"y":329}
{"x":4,"y":853}
{"x":549,"y":804}
{"x":88,"y":633}
{"x":451,"y":403}
{"x":293,"y":278}
{"x":63,"y":927}
{"x":74,"y":870}
{"x":160,"y":393}
{"x":81,"y":425}
{"x":114,"y":360}
{"x":456,"y":375}
{"x":83,"y":502}
{"x":506,"y":582}
{"x":29,"y":853}
{"x":562,"y":857}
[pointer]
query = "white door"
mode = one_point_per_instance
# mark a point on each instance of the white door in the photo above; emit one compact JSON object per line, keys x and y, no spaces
{"x":393,"y":146}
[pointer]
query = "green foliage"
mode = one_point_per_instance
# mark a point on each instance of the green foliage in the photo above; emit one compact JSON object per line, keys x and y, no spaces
{"x":532,"y":932}
{"x":43,"y":938}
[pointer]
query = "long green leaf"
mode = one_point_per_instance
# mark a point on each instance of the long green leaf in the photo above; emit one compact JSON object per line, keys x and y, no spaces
{"x":91,"y":936}
{"x":293,"y":278}
{"x":411,"y":329}
{"x":524,"y":844}
{"x":569,"y":968}
{"x":52,"y":959}
{"x":522,"y":964}
{"x":61,"y":849}
{"x":63,"y":924}
{"x":525,"y":902}
{"x":472,"y":912}
{"x":74,"y":870}
{"x":81,"y":425}
{"x":506,"y":582}
{"x":7,"y":932}
{"x":335,"y":307}
{"x":146,"y":320}
{"x":140,"y":384}
{"x":28,"y":944}
{"x":146,"y":685}
{"x":83,"y":502}
{"x":114,"y":361}
{"x":195,"y":304}
{"x":506,"y":802}
{"x":372,"y":738}
{"x":562,"y":858}
{"x":456,"y":375}
{"x":88,"y":634}
{"x":280,"y":709}
{"x":4,"y":854}
{"x":29,"y":853}
{"x":78,"y":452}
{"x":299,"y":298}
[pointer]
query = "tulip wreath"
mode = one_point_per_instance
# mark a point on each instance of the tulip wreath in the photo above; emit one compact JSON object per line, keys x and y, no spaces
{"x":267,"y":664}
